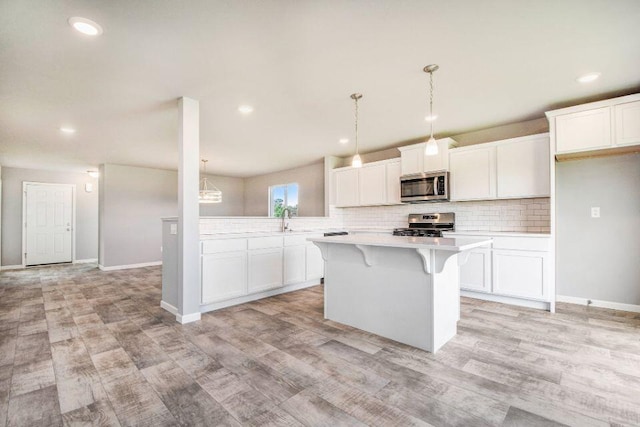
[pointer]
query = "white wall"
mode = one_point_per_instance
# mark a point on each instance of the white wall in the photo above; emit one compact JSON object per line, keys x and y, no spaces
{"x":86,"y":211}
{"x":310,"y":181}
{"x":599,"y":258}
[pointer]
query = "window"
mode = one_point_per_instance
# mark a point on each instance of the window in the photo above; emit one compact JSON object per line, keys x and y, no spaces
{"x":281,"y":197}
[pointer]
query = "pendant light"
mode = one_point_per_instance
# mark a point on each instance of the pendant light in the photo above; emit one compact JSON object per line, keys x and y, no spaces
{"x":209,"y":193}
{"x":357,"y":161}
{"x":432,"y":146}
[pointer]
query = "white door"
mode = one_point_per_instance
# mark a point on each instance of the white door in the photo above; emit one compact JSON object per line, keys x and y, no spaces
{"x":523,"y":168}
{"x":373,"y":183}
{"x":224,"y":276}
{"x":473,"y":173}
{"x":265,"y":269}
{"x":347,"y":187}
{"x":412,"y":160}
{"x":48,"y":223}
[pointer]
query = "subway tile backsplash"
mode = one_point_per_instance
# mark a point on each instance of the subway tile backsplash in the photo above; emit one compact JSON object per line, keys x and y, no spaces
{"x":516,"y":215}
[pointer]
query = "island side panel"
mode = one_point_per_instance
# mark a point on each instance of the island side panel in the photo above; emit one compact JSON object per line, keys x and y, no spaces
{"x":446,"y":308}
{"x":392,"y":297}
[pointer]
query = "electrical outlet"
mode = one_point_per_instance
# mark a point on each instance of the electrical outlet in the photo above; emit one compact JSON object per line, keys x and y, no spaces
{"x":595,"y":212}
{"x":173,"y":229}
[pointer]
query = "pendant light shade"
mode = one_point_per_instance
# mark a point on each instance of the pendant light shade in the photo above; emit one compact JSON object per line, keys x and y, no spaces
{"x":209,"y":193}
{"x":431,"y":148}
{"x":356,"y":162}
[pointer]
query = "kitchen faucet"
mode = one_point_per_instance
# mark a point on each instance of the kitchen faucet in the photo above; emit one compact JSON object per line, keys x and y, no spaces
{"x":286,"y":212}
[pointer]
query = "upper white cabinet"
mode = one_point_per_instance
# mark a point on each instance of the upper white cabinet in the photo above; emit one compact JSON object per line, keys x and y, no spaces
{"x":473,"y":173}
{"x":603,"y":127}
{"x":586,"y":130}
{"x":347,"y":187}
{"x":413,"y":159}
{"x":394,"y":171}
{"x":523,"y":167}
{"x":512,"y":168}
{"x":373,"y":184}
{"x":627,"y":123}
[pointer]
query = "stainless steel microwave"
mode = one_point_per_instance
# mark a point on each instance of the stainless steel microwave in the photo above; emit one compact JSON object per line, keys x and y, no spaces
{"x":424,"y":187}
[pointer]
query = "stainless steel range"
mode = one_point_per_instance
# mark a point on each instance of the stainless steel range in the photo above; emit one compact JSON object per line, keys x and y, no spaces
{"x":428,"y":225}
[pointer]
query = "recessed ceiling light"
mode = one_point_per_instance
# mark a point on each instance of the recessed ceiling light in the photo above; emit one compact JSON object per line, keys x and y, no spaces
{"x":431,"y":118}
{"x":588,"y":78}
{"x":85,"y":26}
{"x":67,"y":129}
{"x":245,"y":109}
{"x":343,"y":140}
{"x":93,"y":174}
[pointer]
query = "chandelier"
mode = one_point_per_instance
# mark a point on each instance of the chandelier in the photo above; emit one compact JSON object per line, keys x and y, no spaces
{"x":209,"y":193}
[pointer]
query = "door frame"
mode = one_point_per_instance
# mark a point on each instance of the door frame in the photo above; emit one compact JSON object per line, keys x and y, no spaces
{"x":25,"y":184}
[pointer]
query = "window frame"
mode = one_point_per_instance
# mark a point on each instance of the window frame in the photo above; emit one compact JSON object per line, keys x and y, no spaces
{"x":285,"y":201}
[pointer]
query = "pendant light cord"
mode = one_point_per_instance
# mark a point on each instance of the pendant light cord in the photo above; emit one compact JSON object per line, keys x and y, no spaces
{"x":356,"y":100}
{"x":431,"y":102}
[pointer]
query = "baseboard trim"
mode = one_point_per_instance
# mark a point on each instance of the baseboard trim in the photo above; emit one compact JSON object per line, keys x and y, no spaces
{"x":129,"y":266}
{"x":12,"y":267}
{"x":541,"y":305}
{"x":170,"y":308}
{"x":188,"y":318}
{"x":599,"y":303}
{"x":85,"y":261}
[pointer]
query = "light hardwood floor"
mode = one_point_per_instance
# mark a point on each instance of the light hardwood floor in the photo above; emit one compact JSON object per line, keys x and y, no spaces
{"x":80,"y":346}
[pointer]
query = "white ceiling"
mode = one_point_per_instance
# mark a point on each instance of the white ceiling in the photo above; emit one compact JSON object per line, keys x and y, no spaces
{"x":296,"y":62}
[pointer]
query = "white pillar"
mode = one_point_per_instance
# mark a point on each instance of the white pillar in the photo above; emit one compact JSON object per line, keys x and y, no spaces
{"x":188,"y":211}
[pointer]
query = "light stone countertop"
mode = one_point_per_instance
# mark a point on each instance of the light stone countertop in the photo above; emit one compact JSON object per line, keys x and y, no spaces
{"x":455,"y":244}
{"x":494,"y":233}
{"x":248,"y":234}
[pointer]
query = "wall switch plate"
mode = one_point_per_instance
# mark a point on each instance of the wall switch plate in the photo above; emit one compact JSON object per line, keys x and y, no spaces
{"x":173,"y":229}
{"x":88,"y":187}
{"x":595,"y":212}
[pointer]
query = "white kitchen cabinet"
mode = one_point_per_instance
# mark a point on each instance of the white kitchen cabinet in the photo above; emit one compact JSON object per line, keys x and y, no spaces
{"x":265,"y":269}
{"x":523,"y":167}
{"x":413,"y":159}
{"x":224,"y":275}
{"x":475,"y":274}
{"x":294,"y":264}
{"x":314,"y":262}
{"x":394,"y":172}
{"x":373,"y":185}
{"x":347,"y":187}
{"x":584,"y":130}
{"x":473,"y":173}
{"x":520,"y":273}
{"x":627,"y":119}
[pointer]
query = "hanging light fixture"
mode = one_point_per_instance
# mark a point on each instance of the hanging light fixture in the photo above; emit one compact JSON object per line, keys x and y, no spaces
{"x":432,"y":146}
{"x":209,"y":193}
{"x":357,"y":161}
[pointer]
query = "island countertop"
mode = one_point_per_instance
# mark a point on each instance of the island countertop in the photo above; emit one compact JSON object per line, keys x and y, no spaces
{"x":455,"y":244}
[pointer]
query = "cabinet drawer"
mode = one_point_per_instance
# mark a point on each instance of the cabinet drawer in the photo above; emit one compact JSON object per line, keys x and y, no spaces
{"x":223,"y":245}
{"x":265,"y":242}
{"x":522,"y":243}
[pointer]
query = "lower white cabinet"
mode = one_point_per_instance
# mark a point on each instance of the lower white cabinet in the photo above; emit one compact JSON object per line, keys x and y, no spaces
{"x":314,"y":262}
{"x":516,"y":269}
{"x":224,"y":276}
{"x":294,"y":264}
{"x":240,"y":267}
{"x":520,"y":273}
{"x":475,"y":274}
{"x":265,"y":269}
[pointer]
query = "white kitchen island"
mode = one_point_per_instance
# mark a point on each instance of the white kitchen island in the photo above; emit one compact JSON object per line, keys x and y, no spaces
{"x":399,"y":287}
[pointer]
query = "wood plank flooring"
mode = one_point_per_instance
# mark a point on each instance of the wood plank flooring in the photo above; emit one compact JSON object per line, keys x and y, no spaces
{"x":83,"y":347}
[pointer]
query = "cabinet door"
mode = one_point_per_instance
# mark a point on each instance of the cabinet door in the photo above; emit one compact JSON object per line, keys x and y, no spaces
{"x":473,"y":174}
{"x":373,"y":185}
{"x":475,"y":274}
{"x":315,"y":263}
{"x":294,"y":264}
{"x":628,"y":123}
{"x":265,"y":269}
{"x":521,"y":273}
{"x":224,"y":276}
{"x":412,"y":160}
{"x":523,"y":168}
{"x":583,"y":131}
{"x":347,"y":187}
{"x":393,"y":183}
{"x":440,"y":161}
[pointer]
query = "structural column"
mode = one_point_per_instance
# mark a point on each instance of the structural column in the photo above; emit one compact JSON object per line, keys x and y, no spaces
{"x":188,"y":211}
